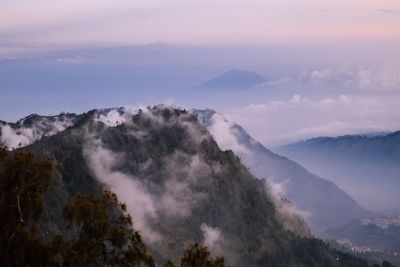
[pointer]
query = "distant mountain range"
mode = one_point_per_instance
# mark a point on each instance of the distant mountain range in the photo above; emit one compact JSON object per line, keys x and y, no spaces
{"x":321,"y":202}
{"x":367,"y":166}
{"x":233,"y":79}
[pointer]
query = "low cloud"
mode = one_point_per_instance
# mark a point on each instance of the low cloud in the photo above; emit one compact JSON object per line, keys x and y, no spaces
{"x":290,"y":216}
{"x":281,"y":122}
{"x":20,"y":135}
{"x":279,"y":82}
{"x":212,"y":238}
{"x":223,"y":132}
{"x":390,"y":11}
{"x":141,"y":204}
{"x":71,"y":60}
{"x":277,"y":191}
{"x":358,"y":78}
{"x":185,"y":172}
{"x":16,"y":138}
{"x":114,"y":117}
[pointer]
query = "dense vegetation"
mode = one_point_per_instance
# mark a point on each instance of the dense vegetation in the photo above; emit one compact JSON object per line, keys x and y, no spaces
{"x":79,"y":224}
{"x":102,"y":233}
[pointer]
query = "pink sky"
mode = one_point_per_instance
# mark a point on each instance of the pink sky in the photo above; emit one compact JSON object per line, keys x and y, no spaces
{"x":196,"y":21}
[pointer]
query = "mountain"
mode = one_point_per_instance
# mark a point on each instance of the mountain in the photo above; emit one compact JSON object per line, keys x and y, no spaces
{"x":367,"y":166}
{"x":233,"y":79}
{"x":34,"y":127}
{"x":179,"y":188}
{"x":321,"y":202}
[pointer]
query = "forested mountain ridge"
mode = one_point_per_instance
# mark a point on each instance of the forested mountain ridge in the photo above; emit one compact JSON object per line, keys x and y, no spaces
{"x":179,"y":188}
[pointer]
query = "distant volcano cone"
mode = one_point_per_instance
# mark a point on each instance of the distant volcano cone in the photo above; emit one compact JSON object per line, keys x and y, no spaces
{"x":233,"y":79}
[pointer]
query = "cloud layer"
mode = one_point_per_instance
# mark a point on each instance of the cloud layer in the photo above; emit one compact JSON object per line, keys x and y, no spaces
{"x":280,"y":122}
{"x":382,"y":79}
{"x":19,"y":134}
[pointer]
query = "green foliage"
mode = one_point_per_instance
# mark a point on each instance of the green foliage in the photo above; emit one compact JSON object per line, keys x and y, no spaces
{"x":23,"y":182}
{"x":104,"y":234}
{"x":169,"y":264}
{"x":199,"y":256}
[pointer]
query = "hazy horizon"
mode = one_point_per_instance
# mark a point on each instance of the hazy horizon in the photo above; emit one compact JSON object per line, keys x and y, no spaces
{"x":331,"y":68}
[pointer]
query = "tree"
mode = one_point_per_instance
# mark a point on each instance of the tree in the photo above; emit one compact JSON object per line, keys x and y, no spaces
{"x":199,"y":256}
{"x":23,"y":182}
{"x":104,"y":234}
{"x":386,"y":264}
{"x":102,"y":231}
{"x":169,"y":264}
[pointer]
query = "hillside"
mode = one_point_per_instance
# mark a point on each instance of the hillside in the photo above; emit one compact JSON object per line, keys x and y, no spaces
{"x":179,"y":188}
{"x":321,"y":202}
{"x":362,"y":164}
{"x":34,"y":127}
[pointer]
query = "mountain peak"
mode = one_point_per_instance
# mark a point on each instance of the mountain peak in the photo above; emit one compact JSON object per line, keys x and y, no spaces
{"x":233,"y":79}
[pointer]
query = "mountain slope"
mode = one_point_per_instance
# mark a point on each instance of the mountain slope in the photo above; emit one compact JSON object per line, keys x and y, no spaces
{"x":34,"y":127}
{"x":364,"y":165}
{"x":321,"y":202}
{"x":233,"y":79}
{"x":179,"y":187}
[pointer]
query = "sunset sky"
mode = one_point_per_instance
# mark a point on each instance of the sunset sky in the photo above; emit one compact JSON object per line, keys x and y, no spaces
{"x":196,"y":21}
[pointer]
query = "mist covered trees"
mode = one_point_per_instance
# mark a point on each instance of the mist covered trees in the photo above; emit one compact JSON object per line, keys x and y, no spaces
{"x":100,"y":230}
{"x":198,"y":255}
{"x":97,"y":231}
{"x":101,"y":233}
